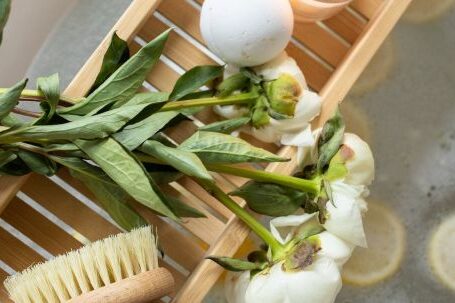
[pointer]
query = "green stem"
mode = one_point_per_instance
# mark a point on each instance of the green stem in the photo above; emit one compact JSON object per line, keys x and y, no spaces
{"x":231,"y":100}
{"x":309,"y":186}
{"x":276,"y":247}
{"x":36,"y":95}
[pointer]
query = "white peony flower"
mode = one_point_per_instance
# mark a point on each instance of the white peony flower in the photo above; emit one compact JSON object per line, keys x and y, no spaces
{"x":345,"y":213}
{"x":235,"y":286}
{"x":319,"y":282}
{"x":295,"y":131}
{"x":360,"y":164}
{"x":284,"y":228}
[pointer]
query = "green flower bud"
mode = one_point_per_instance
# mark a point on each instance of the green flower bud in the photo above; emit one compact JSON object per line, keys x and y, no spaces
{"x":283,"y":94}
{"x":260,"y":116}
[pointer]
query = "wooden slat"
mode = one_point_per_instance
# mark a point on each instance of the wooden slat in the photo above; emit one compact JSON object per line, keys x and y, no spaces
{"x":183,"y":15}
{"x":177,"y":48}
{"x":204,"y":196}
{"x":316,"y":75}
{"x":207,"y":229}
{"x":68,"y":209}
{"x":345,"y":24}
{"x":207,"y":273}
{"x":9,"y":186}
{"x":168,"y":236}
{"x":320,"y":41}
{"x":15,"y":253}
{"x":35,"y":226}
{"x":367,"y":7}
{"x":4,"y":298}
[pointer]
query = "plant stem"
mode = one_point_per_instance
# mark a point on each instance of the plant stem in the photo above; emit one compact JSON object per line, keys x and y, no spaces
{"x":276,"y":247}
{"x":231,"y":100}
{"x":36,"y":95}
{"x":309,"y":186}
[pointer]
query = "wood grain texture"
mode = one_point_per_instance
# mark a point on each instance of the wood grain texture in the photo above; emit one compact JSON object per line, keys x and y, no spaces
{"x":4,"y":298}
{"x":141,"y":288}
{"x":346,"y":25}
{"x":15,"y":253}
{"x":35,"y":226}
{"x":68,"y":208}
{"x":368,"y":8}
{"x":9,"y":186}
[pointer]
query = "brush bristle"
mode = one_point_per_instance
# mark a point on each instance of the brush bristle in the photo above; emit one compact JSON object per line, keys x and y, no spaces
{"x":91,"y":267}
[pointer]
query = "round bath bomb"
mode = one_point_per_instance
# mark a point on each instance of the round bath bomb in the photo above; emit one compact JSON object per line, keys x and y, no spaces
{"x":247,"y":32}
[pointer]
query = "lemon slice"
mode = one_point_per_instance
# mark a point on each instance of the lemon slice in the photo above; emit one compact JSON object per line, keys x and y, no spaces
{"x":442,"y":246}
{"x":386,"y":245}
{"x":377,"y":70}
{"x":427,"y":10}
{"x":356,"y":120}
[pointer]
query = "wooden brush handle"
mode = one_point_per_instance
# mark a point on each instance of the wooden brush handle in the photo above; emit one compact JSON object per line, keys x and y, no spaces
{"x":144,"y":287}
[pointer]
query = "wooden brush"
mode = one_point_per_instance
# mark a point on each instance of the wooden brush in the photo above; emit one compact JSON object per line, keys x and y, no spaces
{"x":121,"y":268}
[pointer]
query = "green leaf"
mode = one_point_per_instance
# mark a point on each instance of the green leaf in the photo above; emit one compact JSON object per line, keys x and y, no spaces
{"x":38,"y":163}
{"x":232,"y":264}
{"x":123,"y":84}
{"x":183,"y":210}
{"x":133,"y":135}
{"x":50,"y":88}
{"x":5,"y":7}
{"x":122,"y":167}
{"x":249,"y":72}
{"x":330,"y":140}
{"x":260,"y":116}
{"x":271,"y":199}
{"x":144,"y":98}
{"x":184,"y":161}
{"x":6,"y":157}
{"x":233,"y":83}
{"x":308,"y":229}
{"x":10,"y":98}
{"x":117,"y":54}
{"x":82,"y":167}
{"x":226,"y":126}
{"x":16,"y":167}
{"x":90,"y":127}
{"x":114,"y":201}
{"x":11,"y":121}
{"x":220,"y":148}
{"x":194,"y":79}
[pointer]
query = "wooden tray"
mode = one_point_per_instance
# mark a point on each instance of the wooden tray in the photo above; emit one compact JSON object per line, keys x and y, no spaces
{"x":51,"y":216}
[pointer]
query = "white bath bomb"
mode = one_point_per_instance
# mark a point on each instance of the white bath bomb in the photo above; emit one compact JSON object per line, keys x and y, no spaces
{"x":247,"y":32}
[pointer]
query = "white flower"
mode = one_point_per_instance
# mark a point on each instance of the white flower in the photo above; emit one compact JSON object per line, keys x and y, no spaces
{"x":295,"y":131}
{"x":345,"y":213}
{"x":360,"y":164}
{"x":320,"y":282}
{"x":284,"y":228}
{"x":235,"y":286}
